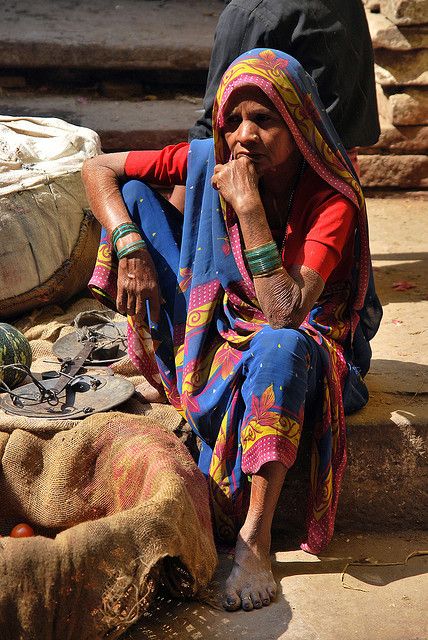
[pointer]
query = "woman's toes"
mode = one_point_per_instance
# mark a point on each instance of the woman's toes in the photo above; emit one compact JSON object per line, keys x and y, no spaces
{"x":232,"y":602}
{"x":247,"y":601}
{"x":272,"y":593}
{"x":257,"y":601}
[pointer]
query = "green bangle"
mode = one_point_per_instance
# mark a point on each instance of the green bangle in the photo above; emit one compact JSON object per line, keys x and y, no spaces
{"x":267,"y":273}
{"x":263,"y":250}
{"x":130,"y":248}
{"x":264,"y":259}
{"x":262,"y":268}
{"x":122,"y":230}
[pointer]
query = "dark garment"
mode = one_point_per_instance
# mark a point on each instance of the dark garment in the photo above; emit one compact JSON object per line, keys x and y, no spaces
{"x":330,"y":39}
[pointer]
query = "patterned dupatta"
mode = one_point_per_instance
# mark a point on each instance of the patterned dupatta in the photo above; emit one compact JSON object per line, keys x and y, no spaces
{"x":294,"y":94}
{"x":333,"y":320}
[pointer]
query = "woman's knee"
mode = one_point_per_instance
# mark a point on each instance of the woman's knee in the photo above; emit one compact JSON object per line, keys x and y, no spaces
{"x":277,"y":343}
{"x":140,"y":200}
{"x":132,"y":192}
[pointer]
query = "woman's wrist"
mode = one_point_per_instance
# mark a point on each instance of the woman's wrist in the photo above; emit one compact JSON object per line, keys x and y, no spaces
{"x":249,"y":207}
{"x":131,"y":249}
{"x":126,"y":240}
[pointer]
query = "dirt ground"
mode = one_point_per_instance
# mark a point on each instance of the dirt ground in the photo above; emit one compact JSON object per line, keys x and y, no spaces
{"x":399,"y":246}
{"x":315,"y":600}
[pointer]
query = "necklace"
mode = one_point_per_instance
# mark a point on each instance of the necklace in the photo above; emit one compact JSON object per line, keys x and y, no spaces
{"x":291,"y":199}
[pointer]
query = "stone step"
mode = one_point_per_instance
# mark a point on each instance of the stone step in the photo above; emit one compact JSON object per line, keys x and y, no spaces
{"x":152,"y":124}
{"x":399,"y":140}
{"x":121,"y":124}
{"x":147,"y":123}
{"x":385,"y":483}
{"x":400,"y":171}
{"x":406,"y":108}
{"x":405,"y":12}
{"x":387,"y":35}
{"x":406,"y":68}
{"x":107,"y":34}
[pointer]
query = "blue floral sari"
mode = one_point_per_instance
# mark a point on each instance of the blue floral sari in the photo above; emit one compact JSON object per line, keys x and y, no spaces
{"x":244,"y":387}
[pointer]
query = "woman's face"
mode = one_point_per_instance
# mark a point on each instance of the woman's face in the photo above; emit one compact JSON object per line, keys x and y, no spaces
{"x":255,"y":129}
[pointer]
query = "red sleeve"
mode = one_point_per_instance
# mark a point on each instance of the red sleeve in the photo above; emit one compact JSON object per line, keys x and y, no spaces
{"x":166,"y":167}
{"x":329,"y":238}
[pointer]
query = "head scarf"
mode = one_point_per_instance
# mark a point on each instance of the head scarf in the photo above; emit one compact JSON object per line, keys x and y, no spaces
{"x":293,"y":93}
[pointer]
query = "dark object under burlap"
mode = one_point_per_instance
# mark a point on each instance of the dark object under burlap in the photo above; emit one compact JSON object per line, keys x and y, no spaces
{"x":120,"y":508}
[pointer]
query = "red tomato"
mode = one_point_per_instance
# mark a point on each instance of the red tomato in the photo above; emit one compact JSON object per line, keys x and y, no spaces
{"x":22,"y":530}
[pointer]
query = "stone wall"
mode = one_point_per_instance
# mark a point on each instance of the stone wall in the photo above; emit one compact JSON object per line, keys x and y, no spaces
{"x":399,"y":31}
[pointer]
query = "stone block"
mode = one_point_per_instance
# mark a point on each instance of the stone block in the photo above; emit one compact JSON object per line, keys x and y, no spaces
{"x":399,"y":140}
{"x":120,"y":90}
{"x":404,"y":68}
{"x":401,"y":109}
{"x":384,"y":486}
{"x":12,"y":82}
{"x":402,"y":172}
{"x":405,"y":11}
{"x":387,"y":35}
{"x":372,"y":5}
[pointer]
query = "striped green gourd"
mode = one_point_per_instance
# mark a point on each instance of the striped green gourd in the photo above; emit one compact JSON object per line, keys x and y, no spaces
{"x":14,"y":348}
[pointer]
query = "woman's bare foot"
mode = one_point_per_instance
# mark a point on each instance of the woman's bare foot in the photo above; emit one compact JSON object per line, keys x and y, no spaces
{"x":251,"y":584}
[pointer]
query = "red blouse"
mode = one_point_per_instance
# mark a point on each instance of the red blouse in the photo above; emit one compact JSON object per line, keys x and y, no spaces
{"x":320,"y":232}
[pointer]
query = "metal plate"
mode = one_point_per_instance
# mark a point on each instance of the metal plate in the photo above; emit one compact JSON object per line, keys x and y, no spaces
{"x":68,"y":346}
{"x":74,"y":402}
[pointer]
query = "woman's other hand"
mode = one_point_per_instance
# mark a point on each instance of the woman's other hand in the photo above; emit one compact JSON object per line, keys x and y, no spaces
{"x":136,"y":283}
{"x":237,"y":182}
{"x":137,"y":279}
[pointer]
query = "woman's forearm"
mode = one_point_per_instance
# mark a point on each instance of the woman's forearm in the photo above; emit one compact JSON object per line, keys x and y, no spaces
{"x":284,"y":299}
{"x":101,"y":176}
{"x":279,"y":295}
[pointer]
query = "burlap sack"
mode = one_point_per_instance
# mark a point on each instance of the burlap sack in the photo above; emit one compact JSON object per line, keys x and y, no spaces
{"x":121,"y":508}
{"x":49,"y":237}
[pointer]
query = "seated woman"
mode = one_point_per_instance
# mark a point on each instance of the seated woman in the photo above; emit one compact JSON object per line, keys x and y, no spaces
{"x":244,"y":309}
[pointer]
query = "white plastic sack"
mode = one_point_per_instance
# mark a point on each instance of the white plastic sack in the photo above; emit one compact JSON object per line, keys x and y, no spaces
{"x":35,"y":150}
{"x":48,"y":235}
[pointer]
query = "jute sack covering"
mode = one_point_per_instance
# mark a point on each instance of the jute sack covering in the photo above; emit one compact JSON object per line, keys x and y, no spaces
{"x":123,"y":508}
{"x":49,"y":237}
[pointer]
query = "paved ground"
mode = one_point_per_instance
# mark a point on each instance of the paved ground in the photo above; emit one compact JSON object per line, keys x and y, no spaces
{"x":371,"y":603}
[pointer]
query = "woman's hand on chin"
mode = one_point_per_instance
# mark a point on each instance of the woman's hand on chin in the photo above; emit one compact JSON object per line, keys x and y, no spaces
{"x":136,"y":283}
{"x":237,"y":182}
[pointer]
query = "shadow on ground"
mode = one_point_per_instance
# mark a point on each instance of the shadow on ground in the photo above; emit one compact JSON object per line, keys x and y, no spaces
{"x":198,"y":621}
{"x":408,"y":267}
